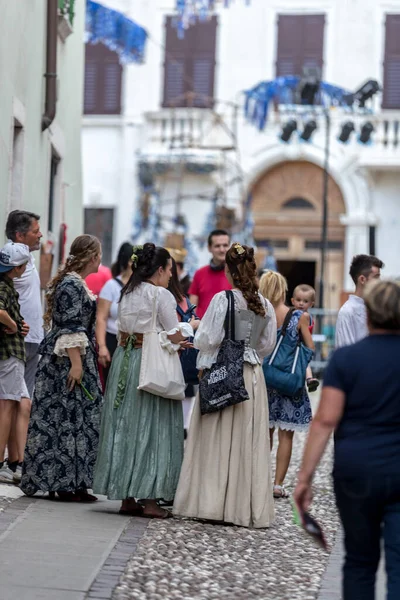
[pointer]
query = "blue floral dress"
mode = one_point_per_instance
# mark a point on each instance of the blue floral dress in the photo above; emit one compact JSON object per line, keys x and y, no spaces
{"x":290,"y":412}
{"x":64,"y":426}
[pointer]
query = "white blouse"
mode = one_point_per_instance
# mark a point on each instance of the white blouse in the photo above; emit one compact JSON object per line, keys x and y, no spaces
{"x":211,"y":332}
{"x":136,"y":310}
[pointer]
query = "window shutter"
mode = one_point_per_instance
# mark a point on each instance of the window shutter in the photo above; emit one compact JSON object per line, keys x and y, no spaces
{"x":103,"y":81}
{"x":391,"y":75}
{"x":300,"y":43}
{"x":190,"y":64}
{"x":289,"y":45}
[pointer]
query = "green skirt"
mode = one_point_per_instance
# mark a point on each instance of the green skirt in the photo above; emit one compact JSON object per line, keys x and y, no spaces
{"x":141,"y":441}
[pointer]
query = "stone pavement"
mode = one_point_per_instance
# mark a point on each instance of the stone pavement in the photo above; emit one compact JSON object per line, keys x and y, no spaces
{"x":57,"y":551}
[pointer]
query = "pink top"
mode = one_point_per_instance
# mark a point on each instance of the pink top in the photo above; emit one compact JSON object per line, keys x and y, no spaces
{"x":96,"y":281}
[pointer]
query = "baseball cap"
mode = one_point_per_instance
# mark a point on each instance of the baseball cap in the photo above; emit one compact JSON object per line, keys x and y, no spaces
{"x":13,"y":255}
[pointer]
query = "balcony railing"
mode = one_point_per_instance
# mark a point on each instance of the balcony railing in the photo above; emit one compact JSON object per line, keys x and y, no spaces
{"x":66,"y":9}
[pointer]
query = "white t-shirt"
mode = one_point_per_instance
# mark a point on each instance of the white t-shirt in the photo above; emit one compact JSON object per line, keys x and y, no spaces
{"x":351,"y":325}
{"x":111,"y":291}
{"x":30,"y":301}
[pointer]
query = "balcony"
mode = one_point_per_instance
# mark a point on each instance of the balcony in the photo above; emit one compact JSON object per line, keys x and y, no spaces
{"x":381,"y":152}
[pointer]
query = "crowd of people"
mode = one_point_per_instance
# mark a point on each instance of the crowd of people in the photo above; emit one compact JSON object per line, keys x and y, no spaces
{"x":77,"y":420}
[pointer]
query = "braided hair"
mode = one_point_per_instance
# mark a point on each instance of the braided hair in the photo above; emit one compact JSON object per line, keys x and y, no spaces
{"x":243,"y":269}
{"x":146,"y":260}
{"x":83,"y":249}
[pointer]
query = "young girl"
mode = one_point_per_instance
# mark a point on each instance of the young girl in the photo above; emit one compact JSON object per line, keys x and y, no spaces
{"x":287,"y":413}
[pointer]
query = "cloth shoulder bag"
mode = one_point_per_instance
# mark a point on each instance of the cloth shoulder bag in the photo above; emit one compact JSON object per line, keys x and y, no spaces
{"x":223,"y":384}
{"x":188,"y":356}
{"x":160,"y":370}
{"x":285,"y":368}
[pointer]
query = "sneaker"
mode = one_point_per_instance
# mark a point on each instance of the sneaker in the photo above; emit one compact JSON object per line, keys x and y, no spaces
{"x":6,"y":475}
{"x":17,"y":476}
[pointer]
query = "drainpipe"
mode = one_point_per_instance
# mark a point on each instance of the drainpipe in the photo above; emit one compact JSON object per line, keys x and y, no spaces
{"x":51,"y":65}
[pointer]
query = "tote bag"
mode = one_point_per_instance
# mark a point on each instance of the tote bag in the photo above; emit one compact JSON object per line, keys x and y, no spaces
{"x":223,"y":384}
{"x":285,"y":369}
{"x":160,"y":371}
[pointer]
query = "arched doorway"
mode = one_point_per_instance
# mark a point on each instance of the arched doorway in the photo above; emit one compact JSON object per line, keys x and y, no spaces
{"x":287,"y":210}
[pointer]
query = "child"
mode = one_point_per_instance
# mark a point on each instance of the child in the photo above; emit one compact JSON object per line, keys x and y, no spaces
{"x":303,"y":299}
{"x":13,"y":329}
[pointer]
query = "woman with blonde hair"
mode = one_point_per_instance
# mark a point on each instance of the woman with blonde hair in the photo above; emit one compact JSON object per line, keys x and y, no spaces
{"x":64,"y":428}
{"x":226,"y":473}
{"x":286,"y":413}
{"x":360,"y":403}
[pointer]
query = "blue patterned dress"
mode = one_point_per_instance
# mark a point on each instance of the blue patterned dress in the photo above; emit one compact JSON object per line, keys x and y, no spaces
{"x":290,"y":412}
{"x":64,"y":426}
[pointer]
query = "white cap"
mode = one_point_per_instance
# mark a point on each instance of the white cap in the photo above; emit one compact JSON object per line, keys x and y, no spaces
{"x":13,"y":255}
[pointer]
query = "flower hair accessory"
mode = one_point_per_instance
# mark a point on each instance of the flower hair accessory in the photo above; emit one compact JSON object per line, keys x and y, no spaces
{"x":134,"y":257}
{"x":70,"y":257}
{"x":239,"y":249}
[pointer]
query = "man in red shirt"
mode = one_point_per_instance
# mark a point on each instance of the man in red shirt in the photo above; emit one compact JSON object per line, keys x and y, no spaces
{"x":211,"y":279}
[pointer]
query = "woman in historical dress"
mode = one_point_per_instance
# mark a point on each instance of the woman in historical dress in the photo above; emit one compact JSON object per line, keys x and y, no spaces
{"x":226,"y":473}
{"x":64,"y":427}
{"x":287,"y":414}
{"x":141,"y":442}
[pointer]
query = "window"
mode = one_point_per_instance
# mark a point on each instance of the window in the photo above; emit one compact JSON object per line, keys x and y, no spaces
{"x":391,"y":71}
{"x":300,"y":43}
{"x":189,"y":66}
{"x":100,"y":222}
{"x":103,"y":81}
{"x":281,"y":244}
{"x":298,"y":203}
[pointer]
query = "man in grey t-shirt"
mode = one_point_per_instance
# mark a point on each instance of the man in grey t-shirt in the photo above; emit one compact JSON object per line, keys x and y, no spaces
{"x":351,"y":325}
{"x":23,"y":227}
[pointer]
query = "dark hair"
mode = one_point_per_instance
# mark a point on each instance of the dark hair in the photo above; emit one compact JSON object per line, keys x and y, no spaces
{"x":174,"y":285}
{"x":382,"y":301}
{"x":362,"y":265}
{"x":123,"y":258}
{"x":149,"y":259}
{"x":19,"y":221}
{"x":215,"y":233}
{"x":83,"y":249}
{"x":243,"y":269}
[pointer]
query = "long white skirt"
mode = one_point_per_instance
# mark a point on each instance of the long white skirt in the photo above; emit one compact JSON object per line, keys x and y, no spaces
{"x":226,"y":471}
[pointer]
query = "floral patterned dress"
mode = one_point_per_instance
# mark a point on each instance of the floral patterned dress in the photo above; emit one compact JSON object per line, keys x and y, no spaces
{"x":64,"y":426}
{"x":290,"y":412}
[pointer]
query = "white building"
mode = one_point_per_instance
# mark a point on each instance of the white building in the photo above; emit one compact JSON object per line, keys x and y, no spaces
{"x":181,"y":142}
{"x":40,"y":157}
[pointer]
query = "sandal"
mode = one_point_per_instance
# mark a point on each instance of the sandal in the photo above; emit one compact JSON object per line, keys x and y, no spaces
{"x":312,"y":384}
{"x":68,"y":496}
{"x":131,"y":512}
{"x":280,"y":492}
{"x":85,"y":497}
{"x":165,"y":514}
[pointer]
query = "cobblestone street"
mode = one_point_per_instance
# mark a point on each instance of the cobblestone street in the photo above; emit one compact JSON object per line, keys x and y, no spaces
{"x":76,"y":552}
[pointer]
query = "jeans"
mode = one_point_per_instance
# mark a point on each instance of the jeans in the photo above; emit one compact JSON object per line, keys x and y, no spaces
{"x":369,"y":508}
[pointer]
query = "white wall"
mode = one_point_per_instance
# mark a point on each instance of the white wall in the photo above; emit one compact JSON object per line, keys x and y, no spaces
{"x":22,"y":66}
{"x":386,"y":205}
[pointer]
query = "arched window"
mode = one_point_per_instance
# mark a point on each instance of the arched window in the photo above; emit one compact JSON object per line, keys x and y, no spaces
{"x":298,"y":203}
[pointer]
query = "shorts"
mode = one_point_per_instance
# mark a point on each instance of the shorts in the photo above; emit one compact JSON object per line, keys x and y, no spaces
{"x":12,"y":379}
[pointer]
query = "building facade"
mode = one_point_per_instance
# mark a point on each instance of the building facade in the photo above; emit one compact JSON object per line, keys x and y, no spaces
{"x":169,"y":147}
{"x":40,"y":165}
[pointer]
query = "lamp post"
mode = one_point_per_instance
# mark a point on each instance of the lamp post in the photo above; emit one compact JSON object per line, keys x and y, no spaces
{"x":325,"y":210}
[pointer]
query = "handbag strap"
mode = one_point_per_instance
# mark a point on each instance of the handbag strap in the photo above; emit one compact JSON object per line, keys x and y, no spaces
{"x":154,"y":315}
{"x":287,"y":321}
{"x":230,"y":316}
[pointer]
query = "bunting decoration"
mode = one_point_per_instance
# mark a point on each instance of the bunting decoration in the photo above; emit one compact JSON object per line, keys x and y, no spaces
{"x":282,"y":90}
{"x":191,"y":11}
{"x":117,"y":32}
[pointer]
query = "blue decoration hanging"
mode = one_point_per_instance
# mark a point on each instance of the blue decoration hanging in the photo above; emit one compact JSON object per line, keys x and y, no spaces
{"x":115,"y":31}
{"x":282,"y":90}
{"x":191,"y":11}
